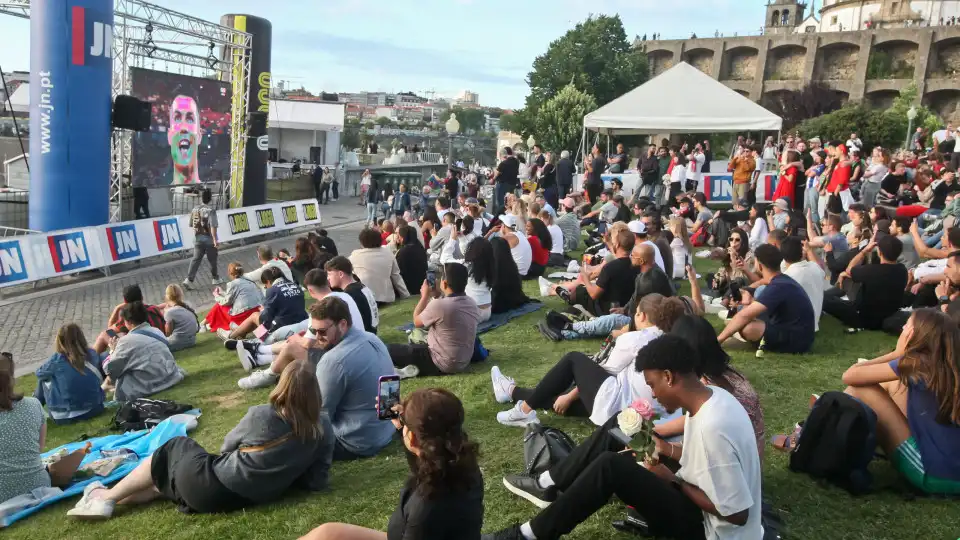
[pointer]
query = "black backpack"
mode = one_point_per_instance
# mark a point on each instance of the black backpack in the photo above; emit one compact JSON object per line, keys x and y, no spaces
{"x":838,"y":442}
{"x":544,"y":447}
{"x":144,"y":413}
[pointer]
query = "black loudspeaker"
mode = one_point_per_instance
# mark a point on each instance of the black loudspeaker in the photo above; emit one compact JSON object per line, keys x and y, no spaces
{"x":131,"y":113}
{"x":256,"y":124}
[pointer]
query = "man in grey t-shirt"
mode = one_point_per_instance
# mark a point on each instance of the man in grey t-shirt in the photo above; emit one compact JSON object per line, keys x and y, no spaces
{"x":203,"y":220}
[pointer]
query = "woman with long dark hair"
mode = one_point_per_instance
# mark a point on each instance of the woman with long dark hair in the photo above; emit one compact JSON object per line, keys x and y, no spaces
{"x":429,"y":224}
{"x":540,"y":245}
{"x":479,"y":260}
{"x":507,"y":289}
{"x":411,"y":258}
{"x":443,"y":497}
{"x":304,"y":259}
{"x":288,"y":441}
{"x":715,"y":370}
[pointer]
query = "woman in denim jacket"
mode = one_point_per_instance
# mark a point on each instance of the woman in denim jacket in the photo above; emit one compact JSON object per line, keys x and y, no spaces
{"x":69,"y":382}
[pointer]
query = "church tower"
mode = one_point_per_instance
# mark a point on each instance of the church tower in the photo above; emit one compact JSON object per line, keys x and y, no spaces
{"x":783,"y":16}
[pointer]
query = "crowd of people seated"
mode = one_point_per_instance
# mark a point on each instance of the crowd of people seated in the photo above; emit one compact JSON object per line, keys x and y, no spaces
{"x":870,"y":265}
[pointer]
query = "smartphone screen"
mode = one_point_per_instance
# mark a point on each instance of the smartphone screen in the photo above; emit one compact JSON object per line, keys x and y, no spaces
{"x":388,"y":395}
{"x":111,"y":333}
{"x":432,"y":278}
{"x":619,"y":435}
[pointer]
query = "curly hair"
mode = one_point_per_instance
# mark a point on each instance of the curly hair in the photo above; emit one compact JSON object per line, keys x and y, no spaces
{"x":447,"y":460}
{"x":661,"y":311}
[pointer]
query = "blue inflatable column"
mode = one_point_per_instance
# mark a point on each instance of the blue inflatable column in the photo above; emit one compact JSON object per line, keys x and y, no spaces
{"x":71,"y":57}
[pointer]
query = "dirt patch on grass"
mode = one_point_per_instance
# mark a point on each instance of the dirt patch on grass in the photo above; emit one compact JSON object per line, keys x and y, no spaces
{"x":227,"y":401}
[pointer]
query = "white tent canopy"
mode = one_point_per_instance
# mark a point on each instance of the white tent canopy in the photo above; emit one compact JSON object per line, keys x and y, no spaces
{"x":681,"y":100}
{"x":306,"y":115}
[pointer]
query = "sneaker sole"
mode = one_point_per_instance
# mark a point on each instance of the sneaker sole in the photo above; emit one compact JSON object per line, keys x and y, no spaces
{"x":246,"y":360}
{"x":540,"y":503}
{"x":518,"y":423}
{"x":498,"y":398}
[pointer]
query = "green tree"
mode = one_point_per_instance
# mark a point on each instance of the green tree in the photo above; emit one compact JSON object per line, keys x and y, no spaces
{"x":350,"y":137}
{"x":516,"y":122}
{"x":468,"y":118}
{"x":595,"y":56}
{"x":384,"y":121}
{"x":887,"y":128}
{"x":560,"y":120}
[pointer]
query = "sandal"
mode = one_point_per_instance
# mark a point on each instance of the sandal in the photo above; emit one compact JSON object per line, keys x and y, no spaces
{"x":787,"y":443}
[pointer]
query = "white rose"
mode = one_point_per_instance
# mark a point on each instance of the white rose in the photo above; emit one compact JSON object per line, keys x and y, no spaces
{"x":630,"y":422}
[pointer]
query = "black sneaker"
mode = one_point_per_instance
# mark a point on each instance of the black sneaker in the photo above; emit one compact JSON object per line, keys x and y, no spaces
{"x":528,"y":488}
{"x":231,"y":344}
{"x":549,"y":332}
{"x":557,"y":320}
{"x":564,"y":294}
{"x":251,"y":345}
{"x":510,"y":533}
{"x":633,"y":524}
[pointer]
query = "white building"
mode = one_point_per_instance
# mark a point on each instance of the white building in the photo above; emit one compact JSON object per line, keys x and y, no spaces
{"x":468,"y":98}
{"x":305,"y":130}
{"x":847,"y":15}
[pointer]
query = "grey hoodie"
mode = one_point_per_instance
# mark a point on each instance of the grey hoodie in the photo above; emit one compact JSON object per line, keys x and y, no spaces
{"x":142,"y":364}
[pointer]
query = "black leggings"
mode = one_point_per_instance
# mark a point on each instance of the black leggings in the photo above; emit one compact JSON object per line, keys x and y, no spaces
{"x":574,"y":369}
{"x":415,"y":354}
{"x":593,"y":191}
{"x":535,"y":271}
{"x":594,"y":472}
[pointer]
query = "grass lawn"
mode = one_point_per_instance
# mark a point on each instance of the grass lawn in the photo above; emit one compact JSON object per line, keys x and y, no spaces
{"x":366,"y":492}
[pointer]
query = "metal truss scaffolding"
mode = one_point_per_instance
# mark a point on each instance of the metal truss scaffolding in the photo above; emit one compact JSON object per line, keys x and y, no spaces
{"x":148,"y":36}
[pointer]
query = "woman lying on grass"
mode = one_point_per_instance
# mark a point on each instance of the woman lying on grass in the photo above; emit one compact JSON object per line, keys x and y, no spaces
{"x":288,"y":442}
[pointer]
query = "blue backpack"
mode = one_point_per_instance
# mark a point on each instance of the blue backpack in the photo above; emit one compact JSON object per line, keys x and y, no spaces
{"x":838,"y":442}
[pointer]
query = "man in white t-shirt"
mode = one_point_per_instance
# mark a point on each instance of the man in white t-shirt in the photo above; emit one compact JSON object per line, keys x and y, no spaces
{"x":265,"y":256}
{"x":808,"y":274}
{"x":715,"y":494}
{"x":695,"y":163}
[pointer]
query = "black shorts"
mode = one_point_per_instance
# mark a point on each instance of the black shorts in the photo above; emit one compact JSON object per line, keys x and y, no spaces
{"x":782,"y":339}
{"x":183,"y":472}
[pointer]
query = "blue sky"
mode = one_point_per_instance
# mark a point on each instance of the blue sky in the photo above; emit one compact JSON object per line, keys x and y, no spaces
{"x":486,"y":46}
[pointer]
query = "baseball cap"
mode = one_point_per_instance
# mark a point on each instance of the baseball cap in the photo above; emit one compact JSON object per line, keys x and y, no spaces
{"x":472,"y":200}
{"x":568,"y":202}
{"x":509,"y":221}
{"x":637,"y":227}
{"x":782,"y":204}
{"x":608,"y":192}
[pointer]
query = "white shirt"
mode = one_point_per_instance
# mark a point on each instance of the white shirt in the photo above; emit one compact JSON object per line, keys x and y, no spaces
{"x":656,"y":255}
{"x":557,"y":236}
{"x":680,"y":255}
{"x":769,"y":153}
{"x":522,"y":254}
{"x":625,"y":384}
{"x":813,"y":280}
{"x":720,"y":457}
{"x":929,"y":268}
{"x":678,"y":174}
{"x":365,"y":180}
{"x":759,"y":233}
{"x":695,"y":168}
{"x":254,"y":275}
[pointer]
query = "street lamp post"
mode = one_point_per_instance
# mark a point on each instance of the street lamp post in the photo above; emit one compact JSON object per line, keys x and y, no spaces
{"x":911,"y":116}
{"x":530,"y":142}
{"x":453,"y":127}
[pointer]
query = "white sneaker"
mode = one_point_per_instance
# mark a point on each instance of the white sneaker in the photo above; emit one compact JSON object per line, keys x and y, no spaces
{"x":408,"y":372}
{"x":187,"y":284}
{"x":258,"y":379}
{"x":502,"y":385}
{"x":223,"y":334}
{"x":90,"y":508}
{"x":516,"y":417}
{"x":217,"y":281}
{"x":574,"y":266}
{"x":246,"y":359}
{"x":545,"y":286}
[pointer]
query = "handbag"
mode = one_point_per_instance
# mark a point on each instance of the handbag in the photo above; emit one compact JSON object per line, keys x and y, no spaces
{"x":544,"y":447}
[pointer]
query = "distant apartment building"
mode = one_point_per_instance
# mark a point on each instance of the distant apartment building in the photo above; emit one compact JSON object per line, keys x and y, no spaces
{"x":491,"y":124}
{"x":468,"y":98}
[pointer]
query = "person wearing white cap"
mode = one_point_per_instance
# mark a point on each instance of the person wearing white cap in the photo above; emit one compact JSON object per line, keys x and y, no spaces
{"x":519,"y":245}
{"x":639,"y":229}
{"x":780,"y":217}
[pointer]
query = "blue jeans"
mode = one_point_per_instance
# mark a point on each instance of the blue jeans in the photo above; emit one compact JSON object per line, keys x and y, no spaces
{"x":499,"y":194}
{"x":811,"y":201}
{"x":868,"y":194}
{"x":930,"y":215}
{"x":599,"y":327}
{"x":372,"y":212}
{"x":934,"y":240}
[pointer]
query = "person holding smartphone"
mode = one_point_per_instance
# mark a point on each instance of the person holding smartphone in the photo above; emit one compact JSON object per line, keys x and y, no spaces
{"x":443,"y":497}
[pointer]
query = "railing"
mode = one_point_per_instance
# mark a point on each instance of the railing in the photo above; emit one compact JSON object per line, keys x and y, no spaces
{"x":410,"y":158}
{"x":6,"y":232}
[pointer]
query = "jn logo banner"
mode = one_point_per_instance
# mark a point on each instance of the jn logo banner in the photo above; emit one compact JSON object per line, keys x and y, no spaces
{"x":168,"y":235}
{"x":11,"y":263}
{"x":123,"y":242}
{"x":68,"y":252}
{"x":718,"y":187}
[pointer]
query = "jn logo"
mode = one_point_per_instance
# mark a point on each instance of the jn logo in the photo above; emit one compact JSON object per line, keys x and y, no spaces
{"x":68,"y":251}
{"x":102,"y":34}
{"x":167,"y":232}
{"x":718,"y":188}
{"x":11,"y":263}
{"x":123,"y":242}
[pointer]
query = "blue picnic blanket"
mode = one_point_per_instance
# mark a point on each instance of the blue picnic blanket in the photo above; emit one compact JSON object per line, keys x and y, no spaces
{"x":143,"y":442}
{"x":497,"y":319}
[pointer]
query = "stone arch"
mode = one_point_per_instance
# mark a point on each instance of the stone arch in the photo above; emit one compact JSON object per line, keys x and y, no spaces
{"x":739,"y":64}
{"x":743,"y":93}
{"x":892,"y":59}
{"x":836,"y":62}
{"x":881,"y":99}
{"x":659,"y":61}
{"x":775,"y":19}
{"x":945,"y":59}
{"x":785,"y":63}
{"x":946,"y":103}
{"x":700,"y":58}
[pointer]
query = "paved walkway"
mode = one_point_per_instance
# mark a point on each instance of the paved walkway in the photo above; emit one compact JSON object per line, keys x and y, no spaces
{"x":29,"y":323}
